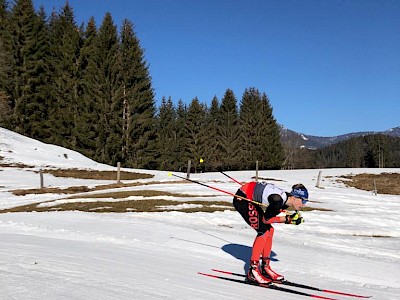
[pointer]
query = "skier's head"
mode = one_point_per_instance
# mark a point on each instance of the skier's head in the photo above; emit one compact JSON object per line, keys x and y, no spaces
{"x":300,"y":191}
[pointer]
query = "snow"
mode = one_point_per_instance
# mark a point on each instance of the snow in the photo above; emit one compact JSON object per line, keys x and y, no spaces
{"x":353,"y":248}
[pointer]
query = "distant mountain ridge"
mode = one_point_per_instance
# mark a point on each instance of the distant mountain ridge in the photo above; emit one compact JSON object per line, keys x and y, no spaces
{"x":315,"y":142}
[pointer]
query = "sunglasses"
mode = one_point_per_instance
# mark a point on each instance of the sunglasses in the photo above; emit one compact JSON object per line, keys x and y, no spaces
{"x":303,"y":200}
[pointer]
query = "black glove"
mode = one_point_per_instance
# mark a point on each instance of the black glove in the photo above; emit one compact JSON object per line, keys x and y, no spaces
{"x":294,"y":219}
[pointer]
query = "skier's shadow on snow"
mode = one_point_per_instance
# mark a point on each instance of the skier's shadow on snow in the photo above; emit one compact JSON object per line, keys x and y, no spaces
{"x":243,"y":253}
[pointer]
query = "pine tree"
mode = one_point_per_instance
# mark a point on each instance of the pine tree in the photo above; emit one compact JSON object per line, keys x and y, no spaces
{"x":30,"y":70}
{"x":353,"y":154}
{"x":39,"y":82}
{"x":272,"y":150}
{"x":65,"y":39}
{"x":138,"y":102}
{"x":6,"y":66}
{"x":86,"y":125}
{"x":249,"y":122}
{"x":183,"y":139}
{"x":228,"y":128}
{"x":259,"y":132}
{"x":195,"y":127}
{"x":166,"y":135}
{"x":109,"y":128}
{"x":212,"y":152}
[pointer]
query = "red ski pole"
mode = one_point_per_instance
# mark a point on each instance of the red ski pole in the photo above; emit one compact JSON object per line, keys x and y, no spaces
{"x":232,"y":178}
{"x":217,"y":189}
{"x":202,"y":161}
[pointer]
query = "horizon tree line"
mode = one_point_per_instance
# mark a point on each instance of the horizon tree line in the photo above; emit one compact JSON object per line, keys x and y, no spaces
{"x":88,"y":88}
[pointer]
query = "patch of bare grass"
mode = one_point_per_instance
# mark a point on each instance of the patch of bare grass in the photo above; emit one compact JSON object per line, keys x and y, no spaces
{"x":386,"y":183}
{"x":266,"y":178}
{"x":145,"y":205}
{"x":82,"y":189}
{"x":98,"y":175}
{"x":70,"y":190}
{"x":152,"y":205}
{"x":372,"y":235}
{"x":309,"y":208}
{"x":16,"y":165}
{"x":143,"y":193}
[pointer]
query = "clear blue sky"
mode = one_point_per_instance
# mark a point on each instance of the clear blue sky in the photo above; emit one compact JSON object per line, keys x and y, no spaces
{"x":329,"y":67}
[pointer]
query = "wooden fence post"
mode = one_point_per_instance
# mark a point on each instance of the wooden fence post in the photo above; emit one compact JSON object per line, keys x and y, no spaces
{"x":41,"y":179}
{"x":118,"y":172}
{"x":318,"y":185}
{"x":188,"y":169}
{"x":257,"y":171}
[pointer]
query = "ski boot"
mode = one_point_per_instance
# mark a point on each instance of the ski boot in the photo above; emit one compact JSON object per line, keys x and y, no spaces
{"x":267,"y":272}
{"x":254,"y":274}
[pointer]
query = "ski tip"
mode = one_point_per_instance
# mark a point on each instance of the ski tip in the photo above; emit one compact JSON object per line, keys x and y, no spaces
{"x":205,"y":274}
{"x":347,"y":294}
{"x":220,"y":271}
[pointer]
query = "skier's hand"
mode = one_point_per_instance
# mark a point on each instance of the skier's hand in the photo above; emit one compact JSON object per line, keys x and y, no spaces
{"x":294,"y":219}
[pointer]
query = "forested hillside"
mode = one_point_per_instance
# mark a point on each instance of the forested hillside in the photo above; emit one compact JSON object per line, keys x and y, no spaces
{"x":317,"y":142}
{"x":370,"y":151}
{"x":89,"y":89}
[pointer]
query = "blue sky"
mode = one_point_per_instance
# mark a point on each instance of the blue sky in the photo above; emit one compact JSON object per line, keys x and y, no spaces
{"x":329,"y":67}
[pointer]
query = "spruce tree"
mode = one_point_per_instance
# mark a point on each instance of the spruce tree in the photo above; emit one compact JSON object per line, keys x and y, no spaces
{"x":65,"y":46}
{"x":166,"y":135}
{"x":6,"y":66}
{"x":109,"y":128}
{"x":39,"y":82}
{"x":183,"y":139}
{"x":272,"y":150}
{"x":86,"y":125}
{"x":212,"y":152}
{"x":139,"y":135}
{"x":249,"y":118}
{"x":30,"y":74}
{"x":229,"y":133}
{"x":259,"y":132}
{"x":195,"y":127}
{"x":353,"y":153}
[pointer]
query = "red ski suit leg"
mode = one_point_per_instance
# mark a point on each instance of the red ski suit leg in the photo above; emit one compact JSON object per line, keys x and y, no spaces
{"x":253,"y":215}
{"x":262,"y":245}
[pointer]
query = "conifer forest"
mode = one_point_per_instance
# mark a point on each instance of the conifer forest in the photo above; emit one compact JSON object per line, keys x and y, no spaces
{"x":88,"y":88}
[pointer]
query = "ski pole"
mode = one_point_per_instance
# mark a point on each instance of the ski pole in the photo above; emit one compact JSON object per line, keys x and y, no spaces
{"x":217,"y":189}
{"x":231,"y":178}
{"x":202,"y":161}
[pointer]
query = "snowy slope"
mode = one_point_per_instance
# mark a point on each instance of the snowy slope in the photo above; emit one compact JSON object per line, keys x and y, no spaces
{"x":74,"y":255}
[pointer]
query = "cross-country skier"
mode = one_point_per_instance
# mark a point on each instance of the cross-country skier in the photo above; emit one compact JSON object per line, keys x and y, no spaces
{"x":275,"y":199}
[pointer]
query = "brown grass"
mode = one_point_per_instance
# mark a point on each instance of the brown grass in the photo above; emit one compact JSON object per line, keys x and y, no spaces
{"x":266,"y":178}
{"x":151,"y":205}
{"x":80,"y":189}
{"x":386,"y":183}
{"x":143,"y":193}
{"x":145,"y":205}
{"x":309,"y":208}
{"x":15,"y":165}
{"x":98,"y":175}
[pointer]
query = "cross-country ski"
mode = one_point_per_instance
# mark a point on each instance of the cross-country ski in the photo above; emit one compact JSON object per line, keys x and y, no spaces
{"x":271,"y":286}
{"x":299,"y":285}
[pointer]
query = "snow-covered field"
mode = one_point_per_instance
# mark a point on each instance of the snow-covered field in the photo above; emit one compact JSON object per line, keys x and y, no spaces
{"x":75,"y":255}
